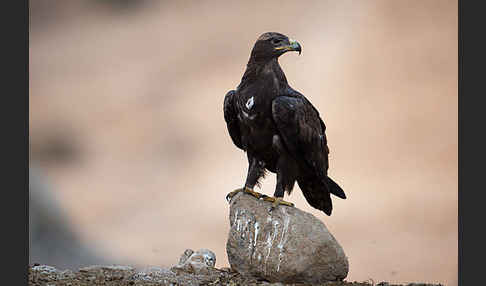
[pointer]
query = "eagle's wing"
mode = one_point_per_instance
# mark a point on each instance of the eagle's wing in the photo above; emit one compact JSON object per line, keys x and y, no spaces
{"x":303,"y":133}
{"x":231,"y":118}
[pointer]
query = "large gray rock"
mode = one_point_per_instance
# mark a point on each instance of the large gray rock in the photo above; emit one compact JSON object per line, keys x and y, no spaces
{"x":285,"y":245}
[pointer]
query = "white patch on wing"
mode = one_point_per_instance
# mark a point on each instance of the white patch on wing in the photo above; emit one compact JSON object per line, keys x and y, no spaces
{"x":249,"y":103}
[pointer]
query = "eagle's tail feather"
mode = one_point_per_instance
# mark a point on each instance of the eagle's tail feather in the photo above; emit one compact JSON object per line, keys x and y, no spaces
{"x":335,"y":189}
{"x":317,"y":194}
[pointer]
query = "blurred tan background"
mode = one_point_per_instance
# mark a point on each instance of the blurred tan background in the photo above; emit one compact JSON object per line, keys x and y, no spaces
{"x":127,"y":128}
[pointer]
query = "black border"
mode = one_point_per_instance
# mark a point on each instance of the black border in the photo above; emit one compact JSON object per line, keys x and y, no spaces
{"x":471,"y":65}
{"x":23,"y":66}
{"x":15,"y":134}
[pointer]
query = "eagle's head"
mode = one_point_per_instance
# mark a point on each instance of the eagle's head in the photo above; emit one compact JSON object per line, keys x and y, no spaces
{"x":272,"y":45}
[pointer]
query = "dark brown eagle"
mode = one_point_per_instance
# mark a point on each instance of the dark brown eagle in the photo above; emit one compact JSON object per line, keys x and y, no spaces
{"x":279,"y":129}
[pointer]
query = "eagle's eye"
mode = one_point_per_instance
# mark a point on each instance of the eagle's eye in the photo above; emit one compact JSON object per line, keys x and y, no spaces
{"x":276,"y":41}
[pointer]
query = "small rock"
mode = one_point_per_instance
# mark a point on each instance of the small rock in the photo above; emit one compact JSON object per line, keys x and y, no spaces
{"x":47,"y":272}
{"x":51,"y":273}
{"x":187,"y":253}
{"x":199,"y":262}
{"x":285,"y":245}
{"x":45,"y":269}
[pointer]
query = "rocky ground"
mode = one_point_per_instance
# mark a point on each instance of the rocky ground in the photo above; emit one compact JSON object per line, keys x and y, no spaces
{"x":125,"y":275}
{"x":265,"y":247}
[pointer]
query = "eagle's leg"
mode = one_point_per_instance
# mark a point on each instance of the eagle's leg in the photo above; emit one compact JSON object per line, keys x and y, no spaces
{"x":285,"y":175}
{"x":256,"y":170}
{"x":282,"y":185}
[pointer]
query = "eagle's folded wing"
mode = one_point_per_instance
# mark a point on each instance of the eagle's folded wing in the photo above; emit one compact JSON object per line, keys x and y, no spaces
{"x":231,"y":118}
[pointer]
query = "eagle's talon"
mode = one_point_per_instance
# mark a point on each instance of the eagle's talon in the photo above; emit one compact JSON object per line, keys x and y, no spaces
{"x":249,"y":191}
{"x":277,"y":201}
{"x":228,"y":197}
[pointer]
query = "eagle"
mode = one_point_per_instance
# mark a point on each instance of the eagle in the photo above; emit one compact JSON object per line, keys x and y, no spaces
{"x":279,"y":129}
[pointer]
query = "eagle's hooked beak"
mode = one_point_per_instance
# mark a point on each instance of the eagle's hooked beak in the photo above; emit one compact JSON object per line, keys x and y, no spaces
{"x":293,"y":46}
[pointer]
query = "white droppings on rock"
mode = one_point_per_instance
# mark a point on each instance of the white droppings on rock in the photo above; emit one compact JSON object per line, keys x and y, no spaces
{"x":245,"y":228}
{"x":238,"y":225}
{"x":236,"y":216}
{"x":257,"y":229}
{"x":252,"y":240}
{"x":284,"y":238}
{"x":271,"y":237}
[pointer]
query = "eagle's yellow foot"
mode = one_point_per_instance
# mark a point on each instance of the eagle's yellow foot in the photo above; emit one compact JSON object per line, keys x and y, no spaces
{"x":245,"y":190}
{"x":277,"y":201}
